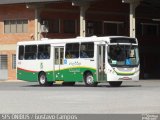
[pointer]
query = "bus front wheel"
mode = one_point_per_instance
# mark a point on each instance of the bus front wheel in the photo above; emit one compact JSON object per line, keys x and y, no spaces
{"x":89,"y":80}
{"x":115,"y":83}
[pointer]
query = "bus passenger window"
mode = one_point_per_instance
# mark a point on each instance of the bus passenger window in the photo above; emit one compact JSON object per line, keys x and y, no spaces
{"x":21,"y":53}
{"x":30,"y":52}
{"x":44,"y":52}
{"x":72,"y":50}
{"x":87,"y":50}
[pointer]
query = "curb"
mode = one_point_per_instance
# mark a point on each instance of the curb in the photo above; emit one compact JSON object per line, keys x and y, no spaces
{"x":11,"y":81}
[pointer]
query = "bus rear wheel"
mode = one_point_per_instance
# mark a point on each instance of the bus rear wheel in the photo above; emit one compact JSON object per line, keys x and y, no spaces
{"x":43,"y":80}
{"x":89,"y":80}
{"x":115,"y":83}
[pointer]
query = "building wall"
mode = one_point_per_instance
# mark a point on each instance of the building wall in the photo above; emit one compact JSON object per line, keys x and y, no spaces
{"x":13,"y":12}
{"x":97,"y":11}
{"x":97,"y":14}
{"x":100,"y":11}
{"x":8,"y":41}
{"x":149,"y":42}
{"x":11,"y":71}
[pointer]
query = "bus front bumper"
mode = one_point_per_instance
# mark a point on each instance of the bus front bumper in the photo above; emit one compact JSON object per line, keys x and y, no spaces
{"x":115,"y":77}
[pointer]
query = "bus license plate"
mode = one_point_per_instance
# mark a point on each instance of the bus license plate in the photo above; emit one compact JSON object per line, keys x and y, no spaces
{"x":127,"y":78}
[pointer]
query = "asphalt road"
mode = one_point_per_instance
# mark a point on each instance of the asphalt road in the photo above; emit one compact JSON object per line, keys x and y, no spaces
{"x":132,"y":97}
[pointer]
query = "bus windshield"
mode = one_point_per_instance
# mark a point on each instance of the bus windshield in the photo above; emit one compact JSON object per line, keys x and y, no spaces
{"x":123,"y":55}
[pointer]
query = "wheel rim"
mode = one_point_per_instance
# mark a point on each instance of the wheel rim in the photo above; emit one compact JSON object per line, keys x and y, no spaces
{"x":42,"y":79}
{"x":89,"y":80}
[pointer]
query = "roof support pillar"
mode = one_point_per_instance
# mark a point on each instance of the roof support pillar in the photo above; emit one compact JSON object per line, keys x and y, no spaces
{"x":37,"y":24}
{"x":83,"y":7}
{"x":37,"y":8}
{"x":82,"y":21}
{"x":132,"y":20}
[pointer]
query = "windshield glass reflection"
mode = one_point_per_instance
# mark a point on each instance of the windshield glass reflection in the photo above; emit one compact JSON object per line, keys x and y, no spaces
{"x":123,"y":55}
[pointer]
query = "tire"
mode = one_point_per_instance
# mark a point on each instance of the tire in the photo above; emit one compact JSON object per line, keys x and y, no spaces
{"x":89,"y":80}
{"x":43,"y":80}
{"x":115,"y":83}
{"x":68,"y":83}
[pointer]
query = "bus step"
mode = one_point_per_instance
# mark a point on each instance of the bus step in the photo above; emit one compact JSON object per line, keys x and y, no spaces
{"x":59,"y":82}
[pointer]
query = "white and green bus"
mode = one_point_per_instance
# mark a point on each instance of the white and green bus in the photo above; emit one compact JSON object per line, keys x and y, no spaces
{"x":91,"y":60}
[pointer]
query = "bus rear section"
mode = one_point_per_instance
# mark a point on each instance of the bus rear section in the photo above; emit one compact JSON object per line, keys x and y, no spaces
{"x":34,"y":62}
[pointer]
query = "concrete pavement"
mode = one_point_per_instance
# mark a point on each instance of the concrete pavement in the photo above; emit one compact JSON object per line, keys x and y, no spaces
{"x":133,"y":97}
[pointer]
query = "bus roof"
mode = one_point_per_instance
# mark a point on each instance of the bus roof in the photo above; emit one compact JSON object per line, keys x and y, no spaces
{"x":71,"y":40}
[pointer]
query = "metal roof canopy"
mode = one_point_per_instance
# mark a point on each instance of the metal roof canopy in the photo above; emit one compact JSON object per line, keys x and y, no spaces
{"x":36,"y":1}
{"x":151,"y":3}
{"x":147,"y":2}
{"x":25,"y":1}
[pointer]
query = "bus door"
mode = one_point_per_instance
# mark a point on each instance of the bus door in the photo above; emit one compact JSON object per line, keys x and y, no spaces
{"x":101,"y":63}
{"x":58,"y":62}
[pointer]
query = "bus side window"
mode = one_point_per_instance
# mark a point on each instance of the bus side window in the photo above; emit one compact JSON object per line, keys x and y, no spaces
{"x":30,"y":52}
{"x":87,"y":50}
{"x":72,"y":50}
{"x":21,"y":52}
{"x":44,"y":52}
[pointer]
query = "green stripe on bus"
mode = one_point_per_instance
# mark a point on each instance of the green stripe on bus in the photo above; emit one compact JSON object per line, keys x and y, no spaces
{"x":27,"y":76}
{"x":123,"y":73}
{"x":72,"y":74}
